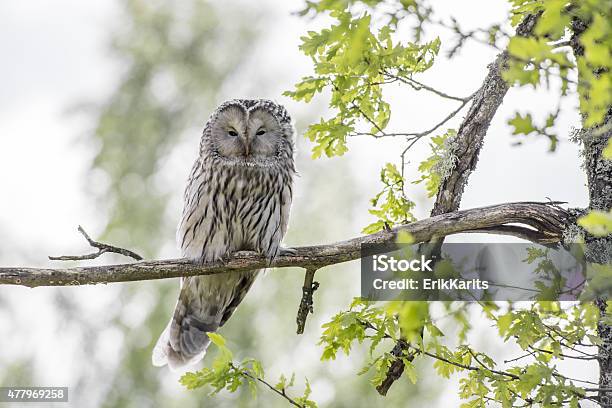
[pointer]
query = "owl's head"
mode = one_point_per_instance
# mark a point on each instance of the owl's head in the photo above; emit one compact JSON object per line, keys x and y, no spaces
{"x":249,"y":132}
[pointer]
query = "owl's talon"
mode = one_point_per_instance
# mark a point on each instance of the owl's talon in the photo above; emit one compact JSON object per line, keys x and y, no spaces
{"x":224,"y":260}
{"x":198,"y":261}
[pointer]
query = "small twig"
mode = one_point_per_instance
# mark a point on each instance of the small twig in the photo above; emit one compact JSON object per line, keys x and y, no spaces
{"x":529,"y":353}
{"x":587,"y":357}
{"x":415,"y":136}
{"x":597,"y":389}
{"x":417,"y":86}
{"x":562,"y":43}
{"x":567,"y":343}
{"x":372,"y":122}
{"x":306,"y":304}
{"x":102,"y":249}
{"x":281,"y":392}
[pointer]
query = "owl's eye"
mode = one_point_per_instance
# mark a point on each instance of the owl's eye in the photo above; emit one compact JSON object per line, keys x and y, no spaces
{"x":233,"y":133}
{"x":261,"y":132}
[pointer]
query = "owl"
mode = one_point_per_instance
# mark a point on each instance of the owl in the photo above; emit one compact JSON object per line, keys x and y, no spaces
{"x":237,"y":198}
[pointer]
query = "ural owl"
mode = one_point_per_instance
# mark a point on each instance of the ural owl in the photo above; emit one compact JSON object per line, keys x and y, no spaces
{"x":237,"y":198}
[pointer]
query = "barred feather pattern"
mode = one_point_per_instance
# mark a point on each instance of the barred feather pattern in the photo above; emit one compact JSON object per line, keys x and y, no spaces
{"x":230,"y":204}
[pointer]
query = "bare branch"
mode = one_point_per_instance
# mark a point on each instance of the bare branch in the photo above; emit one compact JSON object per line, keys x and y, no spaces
{"x":471,"y":133}
{"x":417,"y":136}
{"x":417,"y":86}
{"x":306,"y":304}
{"x":546,"y":218}
{"x":588,"y":357}
{"x":102,"y":249}
{"x":414,"y":136}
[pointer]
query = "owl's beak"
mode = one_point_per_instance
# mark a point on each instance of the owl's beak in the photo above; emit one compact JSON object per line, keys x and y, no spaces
{"x":246,"y":143}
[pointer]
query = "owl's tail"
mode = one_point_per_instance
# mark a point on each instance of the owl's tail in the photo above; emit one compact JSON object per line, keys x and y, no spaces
{"x":185,"y":339}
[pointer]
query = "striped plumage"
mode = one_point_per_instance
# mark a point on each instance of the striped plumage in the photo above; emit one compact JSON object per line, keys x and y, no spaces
{"x":237,"y":198}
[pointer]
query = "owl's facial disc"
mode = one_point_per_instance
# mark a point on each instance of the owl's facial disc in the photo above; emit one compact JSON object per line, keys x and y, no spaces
{"x":264,"y":134}
{"x":251,"y":137}
{"x":229,"y":132}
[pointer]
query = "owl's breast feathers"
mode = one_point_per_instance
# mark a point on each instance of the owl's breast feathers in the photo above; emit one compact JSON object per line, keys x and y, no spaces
{"x":230,"y":208}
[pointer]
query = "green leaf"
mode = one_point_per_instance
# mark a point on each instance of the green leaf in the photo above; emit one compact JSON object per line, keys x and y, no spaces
{"x":353,"y":58}
{"x":307,"y":88}
{"x":504,"y":322}
{"x":522,"y":124}
{"x":216,"y":339}
{"x":410,"y":371}
{"x":554,"y":20}
{"x":391,"y":206}
{"x":607,"y":152}
{"x":597,"y":223}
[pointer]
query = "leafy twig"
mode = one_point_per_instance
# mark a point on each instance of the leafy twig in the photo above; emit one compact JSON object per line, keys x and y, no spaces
{"x":280,"y":392}
{"x":469,"y":367}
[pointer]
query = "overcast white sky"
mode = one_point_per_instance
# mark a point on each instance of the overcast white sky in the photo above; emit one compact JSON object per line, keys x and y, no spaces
{"x":54,"y":55}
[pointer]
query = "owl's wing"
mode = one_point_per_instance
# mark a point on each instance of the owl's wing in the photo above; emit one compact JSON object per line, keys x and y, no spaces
{"x":285,"y":208}
{"x":240,"y":290}
{"x":200,"y":235}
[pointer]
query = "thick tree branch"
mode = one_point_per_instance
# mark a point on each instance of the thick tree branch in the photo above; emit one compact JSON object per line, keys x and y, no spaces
{"x":547,"y":219}
{"x":474,"y":127}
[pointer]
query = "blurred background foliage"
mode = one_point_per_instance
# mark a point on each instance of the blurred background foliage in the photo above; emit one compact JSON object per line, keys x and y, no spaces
{"x":175,"y":58}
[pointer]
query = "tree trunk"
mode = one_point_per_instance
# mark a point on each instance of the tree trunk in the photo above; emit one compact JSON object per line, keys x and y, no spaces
{"x":598,"y":250}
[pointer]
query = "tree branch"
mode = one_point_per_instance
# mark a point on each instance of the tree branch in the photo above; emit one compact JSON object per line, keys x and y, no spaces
{"x":402,"y":345}
{"x":547,"y":219}
{"x":474,"y":127}
{"x":102,"y":249}
{"x":417,"y":86}
{"x":306,"y":304}
{"x":396,"y":369}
